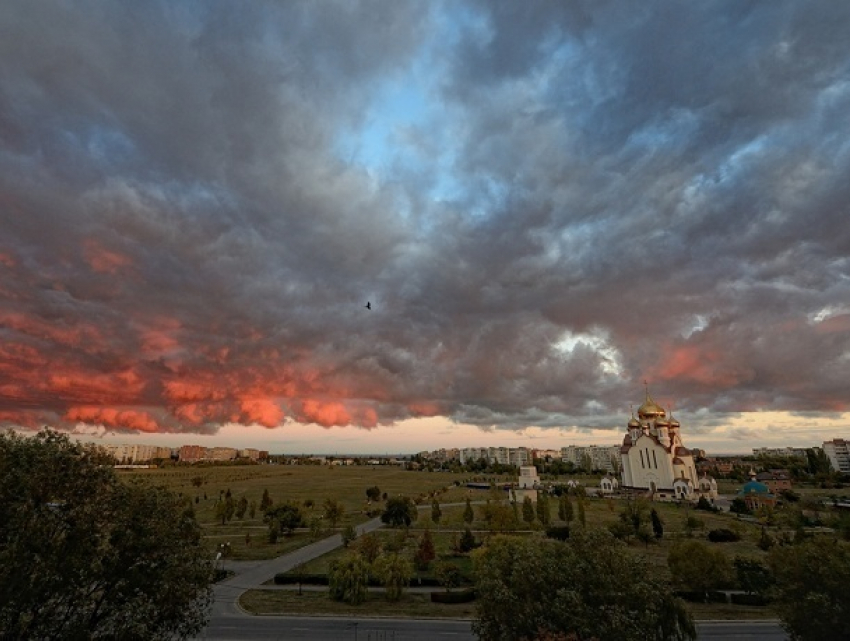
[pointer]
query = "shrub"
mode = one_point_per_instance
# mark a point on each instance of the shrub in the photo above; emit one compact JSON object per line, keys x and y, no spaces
{"x":464,"y":596}
{"x":723,"y":535}
{"x":467,"y":541}
{"x":749,"y":599}
{"x":559,"y":532}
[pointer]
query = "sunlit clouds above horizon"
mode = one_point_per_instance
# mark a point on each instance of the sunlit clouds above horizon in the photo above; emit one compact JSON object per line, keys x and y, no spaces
{"x":546,"y":205}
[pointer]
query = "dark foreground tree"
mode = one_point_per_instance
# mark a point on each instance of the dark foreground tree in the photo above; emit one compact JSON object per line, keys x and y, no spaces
{"x":83,"y":555}
{"x":811,"y":589}
{"x":400,"y":511}
{"x":595,"y":588}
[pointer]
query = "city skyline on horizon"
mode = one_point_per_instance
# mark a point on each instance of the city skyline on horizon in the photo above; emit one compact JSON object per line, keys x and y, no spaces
{"x":410,"y":440}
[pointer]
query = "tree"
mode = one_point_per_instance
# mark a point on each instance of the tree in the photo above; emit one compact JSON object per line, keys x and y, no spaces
{"x":581,"y":516}
{"x":252,"y":508}
{"x":468,"y":514}
{"x":241,"y":507}
{"x":527,"y":510}
{"x":221,"y":511}
{"x":83,"y":555}
{"x":284,"y":518}
{"x":565,"y":508}
{"x":394,"y":572}
{"x":697,"y":566}
{"x":588,"y":574}
{"x":657,"y":524}
{"x":811,"y":592}
{"x":754,"y":577}
{"x":448,"y":574}
{"x":349,"y":534}
{"x":543,"y":513}
{"x":373,"y":493}
{"x":425,"y":553}
{"x":369,"y":546}
{"x":265,"y":502}
{"x":436,"y":512}
{"x":498,"y":516}
{"x":467,"y":541}
{"x":333,"y":511}
{"x":399,"y":511}
{"x":348,"y":579}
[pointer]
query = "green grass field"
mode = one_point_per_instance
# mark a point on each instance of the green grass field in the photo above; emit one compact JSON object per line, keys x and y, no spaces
{"x":297,"y":483}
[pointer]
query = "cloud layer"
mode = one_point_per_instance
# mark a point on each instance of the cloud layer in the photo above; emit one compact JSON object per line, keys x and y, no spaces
{"x":545,"y":204}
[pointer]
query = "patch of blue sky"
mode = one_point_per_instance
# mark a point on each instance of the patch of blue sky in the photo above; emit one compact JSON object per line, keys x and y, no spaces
{"x":407,"y":128}
{"x":673,"y":130}
{"x":103,"y":145}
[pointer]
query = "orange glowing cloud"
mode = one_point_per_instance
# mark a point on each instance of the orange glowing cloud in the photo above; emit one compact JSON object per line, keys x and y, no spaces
{"x":102,"y":260}
{"x":80,"y":335}
{"x":113,"y":417}
{"x":262,"y":411}
{"x":326,"y":414}
{"x":704,"y":366}
{"x":424,"y":409}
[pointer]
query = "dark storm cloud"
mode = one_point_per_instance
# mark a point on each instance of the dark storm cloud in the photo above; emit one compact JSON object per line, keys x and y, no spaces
{"x":638,"y":192}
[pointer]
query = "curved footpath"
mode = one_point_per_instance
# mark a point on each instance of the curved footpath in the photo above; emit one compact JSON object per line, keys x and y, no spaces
{"x":252,"y":574}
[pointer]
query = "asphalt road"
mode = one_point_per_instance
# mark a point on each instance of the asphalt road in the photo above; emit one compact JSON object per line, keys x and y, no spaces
{"x":282,"y":628}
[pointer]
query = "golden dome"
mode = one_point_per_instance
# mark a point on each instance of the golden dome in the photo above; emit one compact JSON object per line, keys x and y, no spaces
{"x":649,"y":409}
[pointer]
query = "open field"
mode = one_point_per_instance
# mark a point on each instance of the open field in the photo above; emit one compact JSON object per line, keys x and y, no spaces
{"x":299,"y":483}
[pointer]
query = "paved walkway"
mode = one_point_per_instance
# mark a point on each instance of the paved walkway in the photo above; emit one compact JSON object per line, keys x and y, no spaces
{"x":252,"y":574}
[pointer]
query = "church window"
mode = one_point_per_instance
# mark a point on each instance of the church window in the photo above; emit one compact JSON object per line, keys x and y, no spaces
{"x":641,"y":459}
{"x":654,"y":460}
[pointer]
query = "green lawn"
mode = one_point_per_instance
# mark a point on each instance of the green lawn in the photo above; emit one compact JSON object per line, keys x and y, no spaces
{"x":297,"y":483}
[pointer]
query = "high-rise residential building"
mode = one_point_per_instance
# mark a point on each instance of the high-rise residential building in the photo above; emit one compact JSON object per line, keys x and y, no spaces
{"x":838,"y":452}
{"x":598,"y":457}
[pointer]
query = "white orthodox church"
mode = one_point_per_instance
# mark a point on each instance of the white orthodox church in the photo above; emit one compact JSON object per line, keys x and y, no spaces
{"x":656,"y":462}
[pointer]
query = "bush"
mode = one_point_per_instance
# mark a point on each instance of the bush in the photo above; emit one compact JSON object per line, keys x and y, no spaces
{"x":749,"y":599}
{"x":723,"y":535}
{"x":467,"y":541}
{"x":559,"y":532}
{"x":464,"y":596}
{"x":709,"y":596}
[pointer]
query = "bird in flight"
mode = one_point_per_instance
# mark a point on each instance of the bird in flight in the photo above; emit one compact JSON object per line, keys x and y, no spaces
{"x":368,"y":305}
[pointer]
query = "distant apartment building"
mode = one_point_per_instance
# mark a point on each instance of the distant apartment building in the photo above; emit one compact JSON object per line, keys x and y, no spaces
{"x":600,"y":457}
{"x":130,"y":454}
{"x":542,"y":454}
{"x":516,"y":456}
{"x":191,"y":453}
{"x":221,"y":453}
{"x":798,"y":452}
{"x":838,"y":453}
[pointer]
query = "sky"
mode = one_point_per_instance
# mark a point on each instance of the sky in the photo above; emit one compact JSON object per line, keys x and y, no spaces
{"x":547,"y":205}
